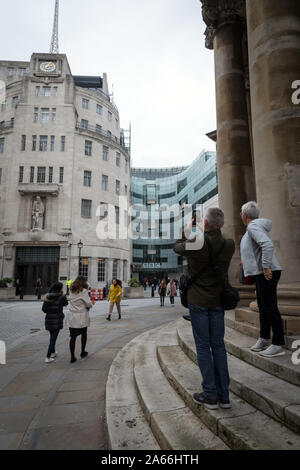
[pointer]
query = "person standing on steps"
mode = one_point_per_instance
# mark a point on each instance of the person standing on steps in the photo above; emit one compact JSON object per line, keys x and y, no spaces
{"x":78,"y":315}
{"x":205,"y":304}
{"x":162,"y":292}
{"x":171,"y":291}
{"x":259,"y":260}
{"x":114,"y":298}
{"x":54,"y":321}
{"x":38,"y":288}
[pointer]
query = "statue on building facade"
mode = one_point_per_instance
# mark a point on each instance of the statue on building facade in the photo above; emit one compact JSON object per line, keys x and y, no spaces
{"x":38,"y":211}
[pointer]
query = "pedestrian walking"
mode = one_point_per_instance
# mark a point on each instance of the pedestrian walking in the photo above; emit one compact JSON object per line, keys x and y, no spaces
{"x":205,"y":305}
{"x":53,"y":305}
{"x":78,"y":315}
{"x":19,"y":289}
{"x":162,"y":292}
{"x":38,"y":288}
{"x":259,"y":260}
{"x":171,"y":291}
{"x":114,"y":298}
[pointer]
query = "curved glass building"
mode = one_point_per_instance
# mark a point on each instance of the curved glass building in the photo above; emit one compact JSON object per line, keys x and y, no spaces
{"x":155,"y":192}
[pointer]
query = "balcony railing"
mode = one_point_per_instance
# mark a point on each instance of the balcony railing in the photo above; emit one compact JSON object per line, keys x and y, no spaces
{"x":6,"y":125}
{"x":101,"y":132}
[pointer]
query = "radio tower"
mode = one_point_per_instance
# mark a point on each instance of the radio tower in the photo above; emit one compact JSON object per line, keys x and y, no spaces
{"x":54,"y":41}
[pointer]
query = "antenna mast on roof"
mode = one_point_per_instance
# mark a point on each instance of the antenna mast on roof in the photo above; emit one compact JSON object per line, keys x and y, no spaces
{"x":54,"y":41}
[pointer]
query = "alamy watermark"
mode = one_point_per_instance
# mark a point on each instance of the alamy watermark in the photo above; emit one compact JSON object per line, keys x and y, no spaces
{"x":296,"y":94}
{"x":2,"y":353}
{"x":296,"y":354}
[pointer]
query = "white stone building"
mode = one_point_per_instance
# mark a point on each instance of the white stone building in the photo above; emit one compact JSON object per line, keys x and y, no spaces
{"x":60,"y":141}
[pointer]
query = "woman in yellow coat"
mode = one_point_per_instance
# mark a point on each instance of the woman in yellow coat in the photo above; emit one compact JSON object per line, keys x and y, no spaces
{"x":114,"y":297}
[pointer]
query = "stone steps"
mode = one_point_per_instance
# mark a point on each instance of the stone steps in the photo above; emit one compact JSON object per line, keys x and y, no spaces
{"x":271,"y":395}
{"x":248,"y":327}
{"x":150,"y":398}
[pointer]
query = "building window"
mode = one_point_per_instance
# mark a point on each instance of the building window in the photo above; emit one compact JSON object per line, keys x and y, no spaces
{"x":117,"y":210}
{"x":32,"y":174}
{"x":53,"y":114}
{"x":63,"y":144}
{"x":55,"y":91}
{"x":22,"y":72}
{"x":47,"y":91}
{"x":84,"y":124}
{"x":37,"y":90}
{"x":23,"y":143}
{"x":105,"y":153}
{"x":21,"y":174}
{"x":84,"y":267}
{"x":10,"y":71}
{"x":86,"y":208}
{"x":41,"y":175}
{"x":109,"y":134}
{"x":3,"y":107}
{"x":87,"y":179}
{"x":101,"y":270}
{"x":109,"y":115}
{"x":118,"y":159}
{"x":117,"y":123}
{"x":12,"y":121}
{"x":85,"y":103}
{"x":126,"y":189}
{"x":61,"y":175}
{"x":88,"y":148}
{"x":50,"y":174}
{"x":118,"y":187}
{"x":0,"y":175}
{"x":115,"y":268}
{"x":103,"y":210}
{"x":99,"y":109}
{"x":98,"y":129}
{"x":52,"y":143}
{"x":43,"y":143}
{"x":15,"y":101}
{"x":104,"y":183}
{"x":2,"y":145}
{"x":36,"y":115}
{"x":34,"y":143}
{"x":45,"y":115}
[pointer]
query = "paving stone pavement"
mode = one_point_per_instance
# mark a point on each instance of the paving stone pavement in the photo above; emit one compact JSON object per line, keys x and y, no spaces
{"x":61,"y":406}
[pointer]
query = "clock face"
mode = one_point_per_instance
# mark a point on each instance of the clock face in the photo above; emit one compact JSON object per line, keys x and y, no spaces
{"x":48,"y":67}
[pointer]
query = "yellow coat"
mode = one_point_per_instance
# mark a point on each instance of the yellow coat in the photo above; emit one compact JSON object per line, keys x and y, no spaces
{"x":114,"y":294}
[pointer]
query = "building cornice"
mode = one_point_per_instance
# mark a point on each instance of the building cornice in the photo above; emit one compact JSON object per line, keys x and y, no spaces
{"x":216,"y":13}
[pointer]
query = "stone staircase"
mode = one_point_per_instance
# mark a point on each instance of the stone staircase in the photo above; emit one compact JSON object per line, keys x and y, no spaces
{"x":149,"y":395}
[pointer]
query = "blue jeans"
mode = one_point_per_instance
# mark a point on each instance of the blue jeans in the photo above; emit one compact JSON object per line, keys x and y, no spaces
{"x":209,"y":330}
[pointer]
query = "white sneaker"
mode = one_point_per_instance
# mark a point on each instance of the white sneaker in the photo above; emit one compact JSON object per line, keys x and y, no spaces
{"x":53,"y":355}
{"x":49,"y":360}
{"x":260,"y":345}
{"x":273,"y":351}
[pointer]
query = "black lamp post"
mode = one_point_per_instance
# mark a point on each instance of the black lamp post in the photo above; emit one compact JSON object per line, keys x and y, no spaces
{"x":80,"y":246}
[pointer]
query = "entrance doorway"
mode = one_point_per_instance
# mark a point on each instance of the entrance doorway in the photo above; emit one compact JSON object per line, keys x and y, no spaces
{"x":37,"y":261}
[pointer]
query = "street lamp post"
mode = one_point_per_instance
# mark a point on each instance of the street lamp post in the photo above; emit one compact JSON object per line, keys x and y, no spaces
{"x":80,"y":246}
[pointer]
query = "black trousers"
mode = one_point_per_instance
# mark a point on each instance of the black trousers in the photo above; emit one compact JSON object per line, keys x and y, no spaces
{"x":269,"y":314}
{"x":162,"y":300}
{"x":53,"y":338}
{"x":172,"y":299}
{"x":74,"y":332}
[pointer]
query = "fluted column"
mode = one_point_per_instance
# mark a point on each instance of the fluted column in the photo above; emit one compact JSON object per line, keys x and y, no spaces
{"x":274,"y":60}
{"x":234,"y":160}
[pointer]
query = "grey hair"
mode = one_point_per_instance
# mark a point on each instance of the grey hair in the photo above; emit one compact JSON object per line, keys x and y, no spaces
{"x":251,"y":210}
{"x":215,"y":217}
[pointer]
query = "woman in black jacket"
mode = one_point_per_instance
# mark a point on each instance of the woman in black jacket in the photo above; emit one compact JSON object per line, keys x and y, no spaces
{"x":54,"y":321}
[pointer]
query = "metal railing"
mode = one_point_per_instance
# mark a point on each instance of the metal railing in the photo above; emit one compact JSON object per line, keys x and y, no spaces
{"x":101,"y":132}
{"x":6,"y":125}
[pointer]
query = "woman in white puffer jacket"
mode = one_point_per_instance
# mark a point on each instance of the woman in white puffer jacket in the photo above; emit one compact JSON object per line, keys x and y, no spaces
{"x":78,"y":318}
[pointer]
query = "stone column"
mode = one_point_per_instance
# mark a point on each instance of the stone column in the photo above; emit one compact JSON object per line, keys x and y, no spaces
{"x":234,"y":161}
{"x":274,"y":56}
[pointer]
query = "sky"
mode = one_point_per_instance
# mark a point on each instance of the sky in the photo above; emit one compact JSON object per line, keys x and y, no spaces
{"x":154,"y":54}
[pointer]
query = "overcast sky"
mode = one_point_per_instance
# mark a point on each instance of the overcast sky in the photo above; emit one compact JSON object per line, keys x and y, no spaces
{"x":154,"y":55}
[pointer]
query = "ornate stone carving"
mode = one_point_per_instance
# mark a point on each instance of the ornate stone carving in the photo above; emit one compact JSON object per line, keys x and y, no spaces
{"x":217,"y":12}
{"x":38,"y":211}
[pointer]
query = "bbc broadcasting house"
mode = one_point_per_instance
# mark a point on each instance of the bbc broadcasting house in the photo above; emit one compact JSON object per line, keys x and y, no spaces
{"x":62,"y":154}
{"x":195,"y":185}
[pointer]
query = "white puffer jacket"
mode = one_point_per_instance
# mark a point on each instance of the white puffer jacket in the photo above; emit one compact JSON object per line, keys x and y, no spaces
{"x":78,"y":315}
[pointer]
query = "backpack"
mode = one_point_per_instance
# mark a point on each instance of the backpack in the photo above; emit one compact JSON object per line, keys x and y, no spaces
{"x":229,"y":295}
